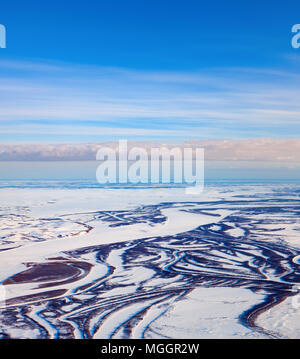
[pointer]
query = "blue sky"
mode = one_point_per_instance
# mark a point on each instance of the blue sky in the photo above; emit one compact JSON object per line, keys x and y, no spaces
{"x":164,"y":70}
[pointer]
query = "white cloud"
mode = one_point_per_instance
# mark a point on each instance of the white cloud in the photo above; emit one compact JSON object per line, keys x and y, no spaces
{"x":282,"y":151}
{"x":230,"y":102}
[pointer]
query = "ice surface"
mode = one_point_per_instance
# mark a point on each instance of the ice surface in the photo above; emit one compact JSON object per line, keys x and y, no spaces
{"x":150,"y":263}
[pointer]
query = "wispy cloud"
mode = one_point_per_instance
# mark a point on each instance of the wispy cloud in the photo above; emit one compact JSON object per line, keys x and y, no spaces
{"x":57,"y":98}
